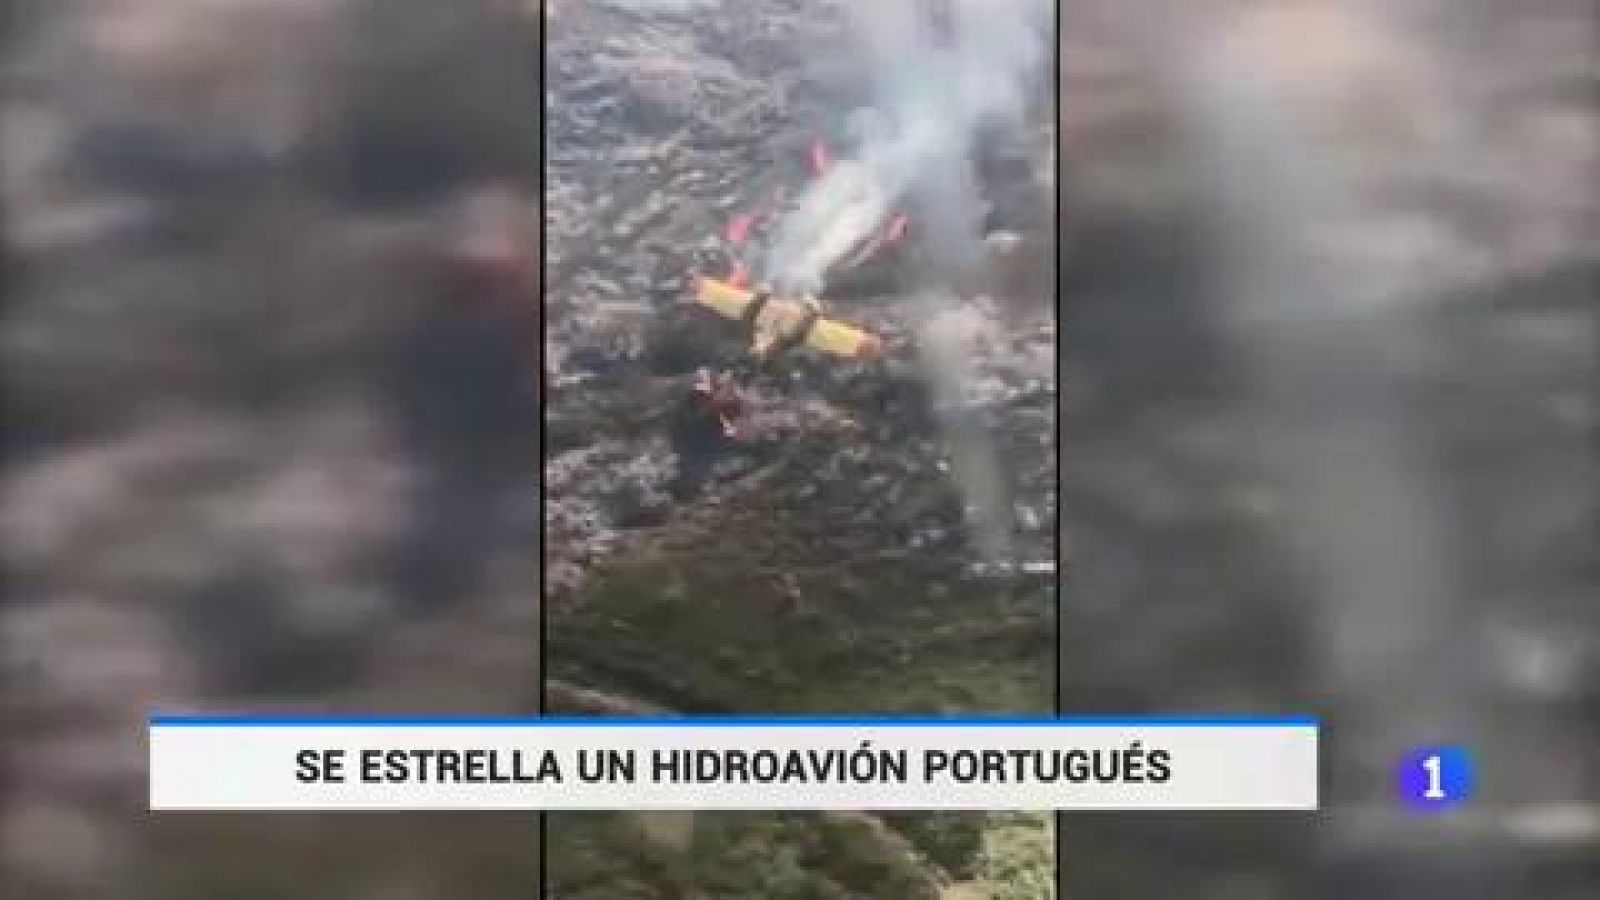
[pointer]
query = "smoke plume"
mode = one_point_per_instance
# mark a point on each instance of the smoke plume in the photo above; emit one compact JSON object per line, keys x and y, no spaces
{"x":940,"y":73}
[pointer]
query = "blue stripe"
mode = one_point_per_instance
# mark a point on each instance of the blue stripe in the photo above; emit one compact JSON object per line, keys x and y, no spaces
{"x":330,"y":721}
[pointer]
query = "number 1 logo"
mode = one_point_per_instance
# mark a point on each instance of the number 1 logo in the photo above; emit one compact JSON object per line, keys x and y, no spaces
{"x":1433,"y":764}
{"x":1434,"y":779}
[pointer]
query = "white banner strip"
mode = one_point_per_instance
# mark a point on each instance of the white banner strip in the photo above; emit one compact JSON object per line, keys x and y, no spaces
{"x":222,"y":763}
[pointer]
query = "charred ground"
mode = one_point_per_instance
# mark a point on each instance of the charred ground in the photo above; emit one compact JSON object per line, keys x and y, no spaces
{"x":832,"y":574}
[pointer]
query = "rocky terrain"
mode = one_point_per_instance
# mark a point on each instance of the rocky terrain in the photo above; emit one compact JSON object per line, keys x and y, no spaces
{"x":834,"y":572}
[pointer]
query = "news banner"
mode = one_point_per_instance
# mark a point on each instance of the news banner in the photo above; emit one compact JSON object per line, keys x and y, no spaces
{"x":214,"y":762}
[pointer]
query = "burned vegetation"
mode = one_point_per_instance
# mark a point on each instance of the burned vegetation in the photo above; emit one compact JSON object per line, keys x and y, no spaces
{"x":832,"y":564}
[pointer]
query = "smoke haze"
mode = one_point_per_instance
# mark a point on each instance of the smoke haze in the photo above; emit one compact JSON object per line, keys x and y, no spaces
{"x":941,"y":75}
{"x":938,"y":80}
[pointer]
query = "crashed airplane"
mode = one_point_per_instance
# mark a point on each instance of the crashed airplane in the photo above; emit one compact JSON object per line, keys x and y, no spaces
{"x":773,"y":319}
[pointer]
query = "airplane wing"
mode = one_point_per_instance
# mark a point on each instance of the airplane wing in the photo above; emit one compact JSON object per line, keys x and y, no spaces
{"x":827,"y":335}
{"x":722,"y":298}
{"x":839,"y":339}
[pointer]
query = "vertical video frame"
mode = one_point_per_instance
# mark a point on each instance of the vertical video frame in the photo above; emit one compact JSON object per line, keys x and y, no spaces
{"x":799,"y":409}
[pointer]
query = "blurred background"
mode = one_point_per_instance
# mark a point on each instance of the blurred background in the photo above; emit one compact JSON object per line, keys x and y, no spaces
{"x":271,"y":352}
{"x":1328,"y":420}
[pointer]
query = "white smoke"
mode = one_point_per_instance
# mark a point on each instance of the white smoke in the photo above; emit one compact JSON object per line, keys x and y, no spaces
{"x":947,"y":340}
{"x":940,"y":73}
{"x":831,"y":219}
